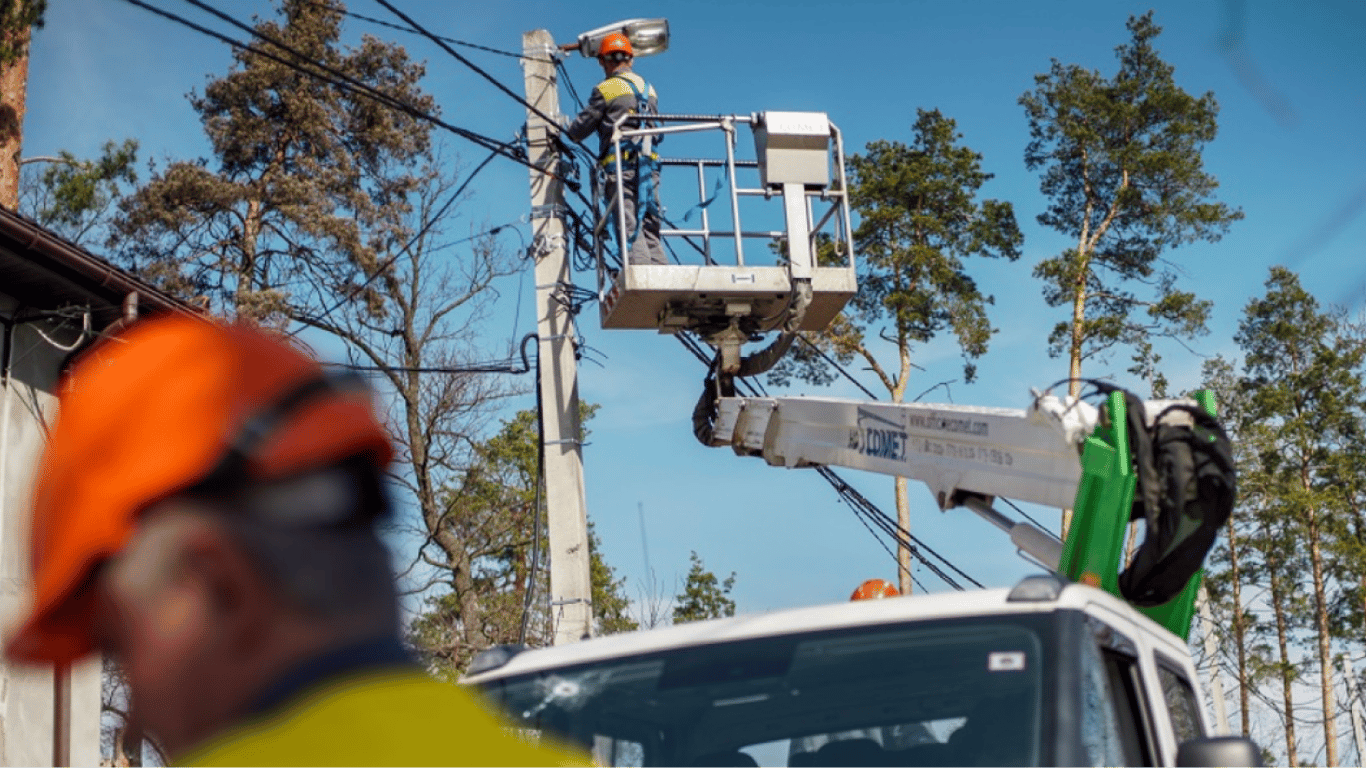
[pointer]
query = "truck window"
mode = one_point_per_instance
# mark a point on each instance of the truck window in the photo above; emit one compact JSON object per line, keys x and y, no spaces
{"x":956,"y":692}
{"x":1115,"y":719}
{"x":1182,"y":706}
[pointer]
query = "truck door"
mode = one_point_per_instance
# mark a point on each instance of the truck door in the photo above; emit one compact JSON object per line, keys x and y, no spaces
{"x":1116,"y":724}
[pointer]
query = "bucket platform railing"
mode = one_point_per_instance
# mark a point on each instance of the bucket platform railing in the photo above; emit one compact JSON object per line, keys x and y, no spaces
{"x":749,"y":290}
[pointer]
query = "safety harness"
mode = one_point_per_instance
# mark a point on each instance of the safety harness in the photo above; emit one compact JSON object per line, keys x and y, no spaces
{"x":639,"y":152}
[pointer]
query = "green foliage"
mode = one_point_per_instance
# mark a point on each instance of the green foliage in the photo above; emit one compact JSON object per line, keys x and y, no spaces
{"x":1297,"y":415}
{"x":74,"y":197}
{"x":309,"y":183}
{"x":1122,"y":168}
{"x":703,"y":595}
{"x":611,"y":607}
{"x":920,"y":220}
{"x":17,"y":18}
{"x":491,"y":513}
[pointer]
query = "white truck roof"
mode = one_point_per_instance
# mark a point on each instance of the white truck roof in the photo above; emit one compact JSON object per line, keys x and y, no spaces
{"x":836,"y":616}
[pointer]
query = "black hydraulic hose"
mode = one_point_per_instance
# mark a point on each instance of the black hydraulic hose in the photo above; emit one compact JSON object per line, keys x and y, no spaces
{"x":704,"y":414}
{"x":769,"y":356}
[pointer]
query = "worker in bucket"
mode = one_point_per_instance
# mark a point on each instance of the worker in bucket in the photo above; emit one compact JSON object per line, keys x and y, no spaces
{"x":205,"y":512}
{"x":624,"y":92}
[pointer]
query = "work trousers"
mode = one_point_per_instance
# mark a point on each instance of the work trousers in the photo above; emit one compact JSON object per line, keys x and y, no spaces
{"x":647,"y":249}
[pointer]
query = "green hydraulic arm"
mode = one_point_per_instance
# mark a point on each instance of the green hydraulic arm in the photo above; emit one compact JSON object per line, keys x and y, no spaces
{"x":1094,"y":549}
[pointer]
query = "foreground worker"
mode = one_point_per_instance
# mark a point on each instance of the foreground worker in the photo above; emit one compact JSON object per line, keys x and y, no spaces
{"x":624,"y":92}
{"x":205,"y":512}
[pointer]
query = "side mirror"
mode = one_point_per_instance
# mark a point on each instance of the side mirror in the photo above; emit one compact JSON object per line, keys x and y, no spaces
{"x":1219,"y":750}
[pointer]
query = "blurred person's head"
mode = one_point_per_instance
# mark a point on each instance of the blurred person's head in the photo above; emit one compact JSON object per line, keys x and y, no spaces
{"x":205,"y":512}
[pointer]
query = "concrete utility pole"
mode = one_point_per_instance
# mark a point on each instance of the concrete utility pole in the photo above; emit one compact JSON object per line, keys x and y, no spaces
{"x":571,"y":608}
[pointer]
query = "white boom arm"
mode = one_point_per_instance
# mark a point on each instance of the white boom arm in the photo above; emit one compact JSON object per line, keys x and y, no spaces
{"x":966,"y":455}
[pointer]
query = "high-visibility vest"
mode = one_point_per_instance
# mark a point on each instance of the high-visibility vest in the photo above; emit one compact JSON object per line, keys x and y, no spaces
{"x":385,"y":717}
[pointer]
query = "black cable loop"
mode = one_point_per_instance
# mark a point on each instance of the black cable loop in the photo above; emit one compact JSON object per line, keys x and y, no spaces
{"x":536,"y":509}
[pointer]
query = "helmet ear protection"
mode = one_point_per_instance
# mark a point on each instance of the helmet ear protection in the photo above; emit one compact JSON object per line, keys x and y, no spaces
{"x":231,"y":476}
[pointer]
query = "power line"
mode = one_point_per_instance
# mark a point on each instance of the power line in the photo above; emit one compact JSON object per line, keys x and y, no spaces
{"x":347,"y":83}
{"x":802,"y":337}
{"x":477,"y":70}
{"x":365,"y":87}
{"x":508,"y":365}
{"x":1026,"y":515}
{"x":884,"y":521}
{"x":863,"y":508}
{"x":411,"y":241}
{"x":410,"y":30}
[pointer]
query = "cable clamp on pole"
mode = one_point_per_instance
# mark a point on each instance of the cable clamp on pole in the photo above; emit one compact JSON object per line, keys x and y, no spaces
{"x":546,"y":244}
{"x":548,"y":210}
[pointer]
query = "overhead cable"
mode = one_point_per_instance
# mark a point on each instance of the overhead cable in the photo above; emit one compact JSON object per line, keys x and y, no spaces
{"x":811,"y":345}
{"x":502,"y":148}
{"x":354,"y":83}
{"x":863,"y":508}
{"x":401,"y":28}
{"x":477,"y":70}
{"x":382,"y":268}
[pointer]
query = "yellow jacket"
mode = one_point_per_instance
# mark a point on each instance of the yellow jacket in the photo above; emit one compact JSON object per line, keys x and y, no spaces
{"x":395,"y":716}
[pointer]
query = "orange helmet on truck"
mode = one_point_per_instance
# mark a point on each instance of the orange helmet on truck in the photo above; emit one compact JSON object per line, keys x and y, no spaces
{"x":874,"y":589}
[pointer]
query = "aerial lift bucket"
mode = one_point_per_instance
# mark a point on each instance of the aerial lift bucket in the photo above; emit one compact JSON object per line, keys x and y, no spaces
{"x":733,"y":300}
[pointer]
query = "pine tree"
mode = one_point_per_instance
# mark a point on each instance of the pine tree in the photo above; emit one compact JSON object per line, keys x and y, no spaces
{"x":76,"y":198}
{"x":1122,"y":168}
{"x":18,"y":18}
{"x":703,"y":595}
{"x":1303,"y":370}
{"x":308,"y":182}
{"x":920,"y":220}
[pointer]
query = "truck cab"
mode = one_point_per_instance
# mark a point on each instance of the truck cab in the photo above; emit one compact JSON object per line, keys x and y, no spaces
{"x":1046,"y":673}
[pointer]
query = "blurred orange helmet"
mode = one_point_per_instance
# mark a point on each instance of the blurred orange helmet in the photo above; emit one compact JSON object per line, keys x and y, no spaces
{"x":874,"y":589}
{"x":615,"y":43}
{"x":153,"y":412}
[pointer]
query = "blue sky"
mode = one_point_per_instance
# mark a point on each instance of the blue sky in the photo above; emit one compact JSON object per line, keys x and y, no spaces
{"x":1290,"y":81}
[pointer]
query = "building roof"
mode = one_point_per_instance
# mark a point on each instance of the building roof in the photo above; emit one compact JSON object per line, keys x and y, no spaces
{"x":45,"y":271}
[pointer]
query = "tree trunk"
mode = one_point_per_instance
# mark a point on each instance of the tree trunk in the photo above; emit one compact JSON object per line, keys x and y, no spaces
{"x":1239,"y":631}
{"x":13,"y":92}
{"x":1287,"y":667}
{"x":903,"y":503}
{"x":1324,"y":641}
{"x":903,"y":552}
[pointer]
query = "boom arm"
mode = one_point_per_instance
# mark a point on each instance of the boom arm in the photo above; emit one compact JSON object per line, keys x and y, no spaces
{"x":1057,"y":453}
{"x":1029,"y":455}
{"x":966,"y":455}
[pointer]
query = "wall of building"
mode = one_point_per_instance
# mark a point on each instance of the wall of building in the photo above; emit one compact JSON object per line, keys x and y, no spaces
{"x":27,"y":405}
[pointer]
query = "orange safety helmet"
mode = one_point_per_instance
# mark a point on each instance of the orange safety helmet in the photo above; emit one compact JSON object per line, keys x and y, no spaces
{"x":150,"y":413}
{"x":615,"y":43}
{"x":874,"y":589}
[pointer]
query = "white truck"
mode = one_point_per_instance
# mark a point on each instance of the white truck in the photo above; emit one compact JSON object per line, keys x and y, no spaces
{"x":1050,"y":672}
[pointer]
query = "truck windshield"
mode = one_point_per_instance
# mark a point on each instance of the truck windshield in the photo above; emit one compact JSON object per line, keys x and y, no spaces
{"x":961,"y":692}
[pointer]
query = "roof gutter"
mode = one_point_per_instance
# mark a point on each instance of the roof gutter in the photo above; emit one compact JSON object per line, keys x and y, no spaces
{"x":89,"y":269}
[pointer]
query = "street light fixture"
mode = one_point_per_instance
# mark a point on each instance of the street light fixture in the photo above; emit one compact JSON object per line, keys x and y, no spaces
{"x":647,"y":36}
